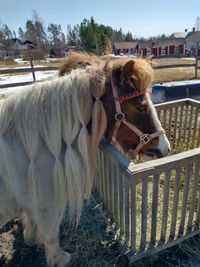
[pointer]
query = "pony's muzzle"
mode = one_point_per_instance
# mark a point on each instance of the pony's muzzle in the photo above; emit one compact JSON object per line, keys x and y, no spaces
{"x":155,"y":152}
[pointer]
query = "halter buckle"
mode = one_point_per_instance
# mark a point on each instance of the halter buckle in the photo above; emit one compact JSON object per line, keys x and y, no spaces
{"x":145,"y":138}
{"x":119,"y":116}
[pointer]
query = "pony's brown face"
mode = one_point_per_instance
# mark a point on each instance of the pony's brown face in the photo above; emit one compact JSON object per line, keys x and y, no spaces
{"x":134,"y":76}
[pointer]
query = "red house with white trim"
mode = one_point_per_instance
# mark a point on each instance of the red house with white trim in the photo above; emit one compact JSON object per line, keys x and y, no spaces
{"x":126,"y":48}
{"x":180,"y":44}
{"x":169,"y":47}
{"x":146,"y":48}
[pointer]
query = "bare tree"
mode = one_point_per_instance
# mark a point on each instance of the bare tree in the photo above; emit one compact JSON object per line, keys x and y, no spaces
{"x":197,"y":23}
{"x":21,"y":33}
{"x":35,"y":30}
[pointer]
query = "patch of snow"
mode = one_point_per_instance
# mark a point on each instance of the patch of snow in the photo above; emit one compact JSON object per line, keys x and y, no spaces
{"x":20,"y":61}
{"x":40,"y":75}
{"x":23,"y":67}
{"x":188,"y":58}
{"x":50,"y":60}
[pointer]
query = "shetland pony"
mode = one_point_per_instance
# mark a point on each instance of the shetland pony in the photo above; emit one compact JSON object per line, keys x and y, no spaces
{"x":49,"y":134}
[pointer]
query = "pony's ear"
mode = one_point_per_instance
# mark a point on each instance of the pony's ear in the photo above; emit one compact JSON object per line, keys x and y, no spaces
{"x":127,"y":69}
{"x":127,"y":72}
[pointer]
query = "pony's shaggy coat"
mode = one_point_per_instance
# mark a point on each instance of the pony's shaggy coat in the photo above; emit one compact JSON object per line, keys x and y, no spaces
{"x":47,"y":156}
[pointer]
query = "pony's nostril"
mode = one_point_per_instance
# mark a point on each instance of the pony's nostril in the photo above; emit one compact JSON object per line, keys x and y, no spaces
{"x":152,"y":152}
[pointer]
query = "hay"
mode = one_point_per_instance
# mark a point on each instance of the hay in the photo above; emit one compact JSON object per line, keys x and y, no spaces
{"x":93,"y":245}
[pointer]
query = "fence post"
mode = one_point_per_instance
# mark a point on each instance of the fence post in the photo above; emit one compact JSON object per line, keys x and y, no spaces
{"x":31,"y":61}
{"x":196,"y":59}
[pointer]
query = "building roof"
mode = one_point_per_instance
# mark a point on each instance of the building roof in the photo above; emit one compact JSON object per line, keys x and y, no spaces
{"x":30,"y":44}
{"x":179,"y":34}
{"x":193,"y":36}
{"x":125,"y":45}
{"x":172,"y":41}
{"x":15,"y":40}
{"x":146,"y":44}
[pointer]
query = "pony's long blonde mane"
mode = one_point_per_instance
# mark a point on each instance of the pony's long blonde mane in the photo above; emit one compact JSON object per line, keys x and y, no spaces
{"x":55,"y":114}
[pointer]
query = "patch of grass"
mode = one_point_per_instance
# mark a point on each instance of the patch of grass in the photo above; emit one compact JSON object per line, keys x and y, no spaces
{"x":13,"y":65}
{"x":174,"y":74}
{"x":92,"y":243}
{"x":9,"y":62}
{"x":173,"y":60}
{"x":184,"y":255}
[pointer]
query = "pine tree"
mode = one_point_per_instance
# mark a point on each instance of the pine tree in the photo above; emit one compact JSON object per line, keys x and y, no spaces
{"x":128,"y":37}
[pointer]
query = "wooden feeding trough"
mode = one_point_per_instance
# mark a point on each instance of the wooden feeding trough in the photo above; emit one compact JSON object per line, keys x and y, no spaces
{"x":156,"y":204}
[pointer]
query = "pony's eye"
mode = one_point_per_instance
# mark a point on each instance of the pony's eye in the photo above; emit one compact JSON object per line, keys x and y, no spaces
{"x":141,"y":109}
{"x":140,"y":98}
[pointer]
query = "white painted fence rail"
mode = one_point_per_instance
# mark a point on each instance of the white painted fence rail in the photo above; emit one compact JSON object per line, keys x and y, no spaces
{"x":156,"y":204}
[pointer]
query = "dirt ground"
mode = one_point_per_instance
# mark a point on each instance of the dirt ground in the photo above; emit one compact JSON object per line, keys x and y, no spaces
{"x":92,"y":245}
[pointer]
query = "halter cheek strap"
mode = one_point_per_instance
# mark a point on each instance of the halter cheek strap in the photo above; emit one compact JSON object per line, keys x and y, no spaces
{"x":120,"y":118}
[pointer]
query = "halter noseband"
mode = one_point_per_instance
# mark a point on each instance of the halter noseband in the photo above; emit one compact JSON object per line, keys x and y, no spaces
{"x":120,"y":118}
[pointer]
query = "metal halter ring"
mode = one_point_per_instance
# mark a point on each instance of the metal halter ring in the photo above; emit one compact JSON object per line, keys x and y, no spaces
{"x":145,"y":138}
{"x":119,"y":116}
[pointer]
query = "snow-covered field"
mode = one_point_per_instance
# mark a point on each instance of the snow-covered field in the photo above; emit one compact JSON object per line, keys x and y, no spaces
{"x":40,"y":75}
{"x":28,"y":77}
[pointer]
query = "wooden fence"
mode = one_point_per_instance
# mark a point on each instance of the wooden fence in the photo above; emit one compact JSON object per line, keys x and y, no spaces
{"x":35,"y":69}
{"x":156,"y":204}
{"x":23,"y":70}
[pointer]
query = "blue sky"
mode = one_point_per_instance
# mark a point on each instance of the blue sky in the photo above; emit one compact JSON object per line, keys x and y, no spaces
{"x":140,"y":17}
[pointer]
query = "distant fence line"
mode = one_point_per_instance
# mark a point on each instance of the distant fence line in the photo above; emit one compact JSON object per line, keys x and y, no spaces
{"x":35,"y":69}
{"x":22,"y":70}
{"x":18,"y":70}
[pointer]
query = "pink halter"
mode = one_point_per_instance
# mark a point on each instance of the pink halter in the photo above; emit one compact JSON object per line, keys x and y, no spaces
{"x":120,"y":118}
